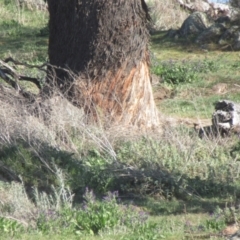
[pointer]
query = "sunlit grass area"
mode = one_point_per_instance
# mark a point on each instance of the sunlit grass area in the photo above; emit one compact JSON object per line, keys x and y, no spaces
{"x":22,"y":33}
{"x":199,"y":90}
{"x":63,"y":179}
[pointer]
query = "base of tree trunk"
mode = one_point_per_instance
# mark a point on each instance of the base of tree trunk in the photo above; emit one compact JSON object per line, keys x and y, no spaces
{"x":119,"y":99}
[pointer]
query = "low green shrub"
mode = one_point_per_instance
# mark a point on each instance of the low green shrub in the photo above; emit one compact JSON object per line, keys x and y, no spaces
{"x":174,"y":72}
{"x":34,"y":164}
{"x":10,"y":227}
{"x":145,"y":166}
{"x":221,"y":217}
{"x":147,"y":231}
{"x":93,"y":216}
{"x":11,"y":28}
{"x":227,"y":215}
{"x":97,"y":215}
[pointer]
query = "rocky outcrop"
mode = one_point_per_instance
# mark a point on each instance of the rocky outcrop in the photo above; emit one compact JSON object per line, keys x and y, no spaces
{"x":211,"y":34}
{"x":222,"y":31}
{"x":236,"y":42}
{"x":195,"y":24}
{"x":235,"y":236}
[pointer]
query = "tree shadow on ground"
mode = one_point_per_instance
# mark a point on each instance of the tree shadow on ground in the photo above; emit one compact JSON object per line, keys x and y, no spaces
{"x":162,"y":40}
{"x":154,"y":188}
{"x":202,"y":196}
{"x":35,"y":165}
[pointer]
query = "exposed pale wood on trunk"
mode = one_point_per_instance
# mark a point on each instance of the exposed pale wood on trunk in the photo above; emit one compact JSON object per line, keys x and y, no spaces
{"x":122,"y":100}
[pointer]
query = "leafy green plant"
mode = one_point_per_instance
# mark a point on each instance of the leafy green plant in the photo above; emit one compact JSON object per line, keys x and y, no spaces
{"x":95,"y":173}
{"x":229,"y":214}
{"x":51,"y":221}
{"x":221,"y":217}
{"x":176,"y":72}
{"x":215,"y":224}
{"x":10,"y":227}
{"x":95,"y":215}
{"x":11,"y":28}
{"x":205,"y":66}
{"x":147,"y":231}
{"x":92,"y":217}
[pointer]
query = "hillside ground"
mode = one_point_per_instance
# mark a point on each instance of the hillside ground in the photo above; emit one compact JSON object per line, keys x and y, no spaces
{"x":190,"y":187}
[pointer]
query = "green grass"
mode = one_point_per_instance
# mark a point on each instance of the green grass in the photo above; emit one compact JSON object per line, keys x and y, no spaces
{"x":176,"y":177}
{"x":22,"y":38}
{"x":20,"y":35}
{"x":195,"y":98}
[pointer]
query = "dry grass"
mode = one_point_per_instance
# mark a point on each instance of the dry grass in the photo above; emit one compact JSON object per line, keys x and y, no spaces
{"x":53,"y":121}
{"x":63,"y":126}
{"x":60,"y":125}
{"x":18,"y":123}
{"x":16,"y":205}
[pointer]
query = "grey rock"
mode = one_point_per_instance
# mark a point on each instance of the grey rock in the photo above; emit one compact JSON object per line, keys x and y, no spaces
{"x":211,"y":34}
{"x":229,"y":36}
{"x":195,"y":24}
{"x":223,"y":20}
{"x":172,"y":33}
{"x":226,"y":117}
{"x":235,"y":236}
{"x":236,"y":43}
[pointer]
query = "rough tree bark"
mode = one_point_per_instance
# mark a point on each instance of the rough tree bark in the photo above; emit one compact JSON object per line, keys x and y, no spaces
{"x":104,"y":45}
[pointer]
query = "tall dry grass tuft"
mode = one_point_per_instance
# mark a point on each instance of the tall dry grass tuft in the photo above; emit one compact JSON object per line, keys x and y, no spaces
{"x":166,"y":14}
{"x":54,"y":121}
{"x":16,"y":205}
{"x":17,"y":122}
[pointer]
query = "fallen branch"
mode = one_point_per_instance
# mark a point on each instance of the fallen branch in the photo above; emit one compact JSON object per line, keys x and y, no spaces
{"x":41,"y":67}
{"x":4,"y":76}
{"x":11,"y":76}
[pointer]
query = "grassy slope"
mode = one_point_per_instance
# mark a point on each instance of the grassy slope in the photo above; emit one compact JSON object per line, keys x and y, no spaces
{"x":20,"y":38}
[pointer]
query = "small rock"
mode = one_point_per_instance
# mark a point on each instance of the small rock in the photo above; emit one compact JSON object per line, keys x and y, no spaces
{"x":235,"y":236}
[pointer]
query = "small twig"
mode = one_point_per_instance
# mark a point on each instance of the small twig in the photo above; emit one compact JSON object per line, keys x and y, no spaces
{"x":10,"y":59}
{"x":9,"y":80}
{"x":8,"y":67}
{"x":8,"y":70}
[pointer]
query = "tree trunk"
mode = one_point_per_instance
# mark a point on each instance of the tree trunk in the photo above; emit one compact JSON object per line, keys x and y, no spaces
{"x":99,"y":54}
